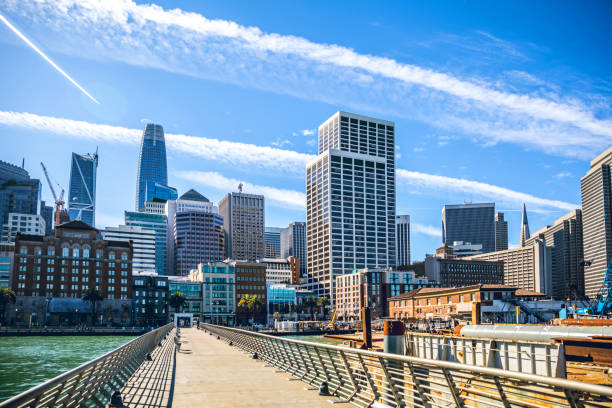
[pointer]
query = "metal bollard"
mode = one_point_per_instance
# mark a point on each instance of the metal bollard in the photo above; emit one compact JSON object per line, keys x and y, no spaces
{"x":116,"y":400}
{"x":323,"y":388}
{"x":149,"y":358}
{"x":254,"y":356}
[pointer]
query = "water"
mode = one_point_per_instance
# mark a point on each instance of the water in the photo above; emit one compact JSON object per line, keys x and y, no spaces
{"x":316,"y":339}
{"x":29,"y":361}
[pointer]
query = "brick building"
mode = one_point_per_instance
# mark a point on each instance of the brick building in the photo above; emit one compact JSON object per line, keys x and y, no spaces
{"x":463,"y":272}
{"x":69,"y":263}
{"x":250,"y":280}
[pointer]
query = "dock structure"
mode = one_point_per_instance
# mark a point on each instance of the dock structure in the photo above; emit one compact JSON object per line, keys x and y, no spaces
{"x":210,"y":373}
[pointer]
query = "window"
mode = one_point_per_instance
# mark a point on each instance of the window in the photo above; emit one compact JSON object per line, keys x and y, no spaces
{"x":51,"y":251}
{"x":65,"y":251}
{"x":23,"y":250}
{"x":75,"y":252}
{"x":111,"y":255}
{"x":99,"y":254}
{"x":85,"y":252}
{"x":124,"y":256}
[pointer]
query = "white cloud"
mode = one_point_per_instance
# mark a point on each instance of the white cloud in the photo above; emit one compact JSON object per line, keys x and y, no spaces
{"x":266,"y":157}
{"x":281,"y":143}
{"x":280,"y":197}
{"x":489,"y":191}
{"x":563,"y":174}
{"x":308,"y":132}
{"x":418,"y":149}
{"x":311,"y":142}
{"x":188,"y":43}
{"x":425,"y":229}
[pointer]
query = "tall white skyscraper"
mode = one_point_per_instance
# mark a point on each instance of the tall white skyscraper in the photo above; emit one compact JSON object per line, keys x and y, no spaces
{"x":350,"y":200}
{"x":402,"y":230}
{"x":143,"y":242}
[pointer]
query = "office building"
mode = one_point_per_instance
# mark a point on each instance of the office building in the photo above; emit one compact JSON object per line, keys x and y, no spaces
{"x":293,"y":244}
{"x":250,"y":280}
{"x":243,"y":224}
{"x":7,"y":255}
{"x":198,"y":239}
{"x":524,"y":227}
{"x":157,"y":223}
{"x":70,"y":262}
{"x":529,"y":267}
{"x":82,"y":191}
{"x":564,"y":238}
{"x":501,"y":232}
{"x":152,"y":166}
{"x":469,"y":222}
{"x":596,"y":187}
{"x":143,"y":244}
{"x":157,"y":191}
{"x":150,"y":293}
{"x":282,"y":299}
{"x":22,"y":223}
{"x":402,"y":231}
{"x":280,"y":270}
{"x":461,"y":249}
{"x":455,"y":272}
{"x":19,"y":194}
{"x":350,"y":200}
{"x":219,"y":292}
{"x":373,"y":288}
{"x":155,"y":207}
{"x":46,"y":211}
{"x":272,"y":242}
{"x":192,"y":292}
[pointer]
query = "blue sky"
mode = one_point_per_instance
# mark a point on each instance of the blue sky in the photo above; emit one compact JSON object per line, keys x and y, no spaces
{"x":491,"y":102}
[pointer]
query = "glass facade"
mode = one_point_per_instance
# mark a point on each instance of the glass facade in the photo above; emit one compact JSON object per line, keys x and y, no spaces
{"x":152,"y":166}
{"x":198,"y":238}
{"x":18,"y":192}
{"x":157,"y":223}
{"x":293,"y":243}
{"x":159,"y":192}
{"x":82,"y":191}
{"x":273,"y":242}
{"x":473,"y":223}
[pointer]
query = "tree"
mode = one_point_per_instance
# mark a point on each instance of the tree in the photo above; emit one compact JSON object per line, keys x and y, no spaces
{"x":252,"y":303}
{"x":93,"y":296}
{"x":7,"y":297}
{"x":323,"y":302}
{"x":311,"y":302}
{"x":177,"y":300}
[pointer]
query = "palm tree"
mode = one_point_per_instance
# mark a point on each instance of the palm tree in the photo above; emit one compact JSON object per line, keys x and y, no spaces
{"x":323,"y":302}
{"x":94,"y":296}
{"x":177,"y":300}
{"x":7,"y":297}
{"x":252,"y":303}
{"x":310,"y":303}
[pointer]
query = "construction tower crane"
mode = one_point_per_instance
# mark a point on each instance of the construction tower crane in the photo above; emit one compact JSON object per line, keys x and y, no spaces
{"x":61,"y":215}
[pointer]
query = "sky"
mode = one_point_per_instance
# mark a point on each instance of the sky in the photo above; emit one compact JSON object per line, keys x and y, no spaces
{"x":492,"y":102}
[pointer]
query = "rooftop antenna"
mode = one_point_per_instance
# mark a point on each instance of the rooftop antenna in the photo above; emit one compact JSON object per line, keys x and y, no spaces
{"x":240,"y":187}
{"x":23,"y":163}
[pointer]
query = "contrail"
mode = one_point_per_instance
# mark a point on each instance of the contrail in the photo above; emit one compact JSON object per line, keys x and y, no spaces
{"x":42,"y":54}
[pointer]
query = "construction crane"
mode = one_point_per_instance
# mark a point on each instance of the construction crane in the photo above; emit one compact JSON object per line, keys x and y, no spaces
{"x":601,"y":306}
{"x":61,"y":215}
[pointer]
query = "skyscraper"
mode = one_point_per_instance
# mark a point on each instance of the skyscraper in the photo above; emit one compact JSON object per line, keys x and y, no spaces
{"x":198,"y":238}
{"x":468,"y":222}
{"x":524,"y":227}
{"x":350,"y":200}
{"x":501,"y":232}
{"x":159,"y":224}
{"x":293,"y":243}
{"x":402,"y":229}
{"x":596,"y":186}
{"x":143,"y":243}
{"x":82,"y":191}
{"x":152,"y":166}
{"x":243,"y":224}
{"x":46,"y":211}
{"x":19,"y":193}
{"x":272,"y":242}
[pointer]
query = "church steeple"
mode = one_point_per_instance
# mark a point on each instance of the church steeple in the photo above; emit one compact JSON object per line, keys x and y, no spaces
{"x":524,"y":227}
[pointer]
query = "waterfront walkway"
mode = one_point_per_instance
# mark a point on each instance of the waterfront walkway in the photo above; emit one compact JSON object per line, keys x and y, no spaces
{"x":210,"y":373}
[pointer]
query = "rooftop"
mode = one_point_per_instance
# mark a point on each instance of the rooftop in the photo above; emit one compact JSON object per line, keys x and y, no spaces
{"x":193,"y":195}
{"x":421,"y":292}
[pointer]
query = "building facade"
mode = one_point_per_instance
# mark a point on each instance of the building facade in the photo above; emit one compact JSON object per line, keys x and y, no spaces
{"x":218,"y":292}
{"x":279,"y":270}
{"x":46,"y":211}
{"x":243,"y":224}
{"x":198,"y":238}
{"x":157,"y":223}
{"x":373,"y":288}
{"x":7,"y":255}
{"x":272,"y":242}
{"x":143,"y":244}
{"x":469,"y":222}
{"x":528,"y":268}
{"x":152,"y":166}
{"x":71,"y":262}
{"x":31,"y":224}
{"x":250,"y":280}
{"x":455,"y":272}
{"x":192,"y":292}
{"x":150,"y":293}
{"x":501,"y":232}
{"x":350,"y":200}
{"x":402,"y":231}
{"x":82,"y":191}
{"x":293,"y":244}
{"x":19,"y":194}
{"x":596,"y":189}
{"x":524,"y":227}
{"x":564,"y":238}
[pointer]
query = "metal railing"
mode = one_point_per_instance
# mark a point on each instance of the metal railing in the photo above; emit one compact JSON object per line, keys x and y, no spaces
{"x":367,"y":378}
{"x":92,"y":384}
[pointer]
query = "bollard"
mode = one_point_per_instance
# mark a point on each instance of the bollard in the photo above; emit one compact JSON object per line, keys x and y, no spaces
{"x":149,"y":358}
{"x":254,"y":356}
{"x":159,"y":344}
{"x":323,"y":388}
{"x":393,"y":331}
{"x":218,"y":338}
{"x":231,"y":343}
{"x":116,"y":400}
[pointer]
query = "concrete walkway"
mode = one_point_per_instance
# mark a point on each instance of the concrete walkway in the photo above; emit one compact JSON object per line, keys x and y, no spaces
{"x":210,"y":373}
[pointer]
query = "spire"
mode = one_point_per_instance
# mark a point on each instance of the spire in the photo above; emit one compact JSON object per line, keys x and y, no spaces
{"x":524,"y":227}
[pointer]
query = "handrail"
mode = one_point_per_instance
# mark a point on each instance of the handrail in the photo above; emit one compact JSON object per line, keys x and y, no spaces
{"x":93,"y":382}
{"x":365,"y":377}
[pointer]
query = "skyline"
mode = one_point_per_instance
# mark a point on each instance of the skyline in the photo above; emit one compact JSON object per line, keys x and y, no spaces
{"x":571,"y":126}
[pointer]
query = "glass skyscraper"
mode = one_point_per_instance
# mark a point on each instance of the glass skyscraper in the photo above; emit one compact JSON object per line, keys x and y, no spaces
{"x":159,"y":224}
{"x":82,"y":192}
{"x":293,"y":243}
{"x":18,"y":192}
{"x":272,"y":241}
{"x":469,"y":222}
{"x":152,"y":166}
